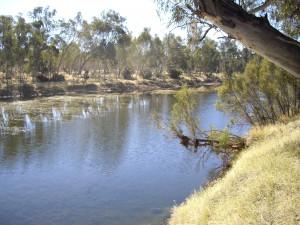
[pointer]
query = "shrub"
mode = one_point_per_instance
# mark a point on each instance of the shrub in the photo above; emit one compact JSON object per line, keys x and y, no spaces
{"x":27,"y":91}
{"x":147,"y":74}
{"x":91,"y":87}
{"x":262,"y":94}
{"x":174,"y":73}
{"x":4,"y":93}
{"x":58,"y":78}
{"x":127,"y":74}
{"x":42,"y":78}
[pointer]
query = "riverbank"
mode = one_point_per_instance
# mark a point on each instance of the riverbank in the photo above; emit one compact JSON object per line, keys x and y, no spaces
{"x":48,"y":89}
{"x":262,"y":187}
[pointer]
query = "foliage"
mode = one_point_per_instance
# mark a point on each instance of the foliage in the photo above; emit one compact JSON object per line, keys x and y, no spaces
{"x":207,"y":57}
{"x":262,"y":94}
{"x":43,"y":46}
{"x":182,"y":115}
{"x":58,"y":78}
{"x":173,"y":73}
{"x":222,"y":137}
{"x":257,"y":14}
{"x":127,"y":74}
{"x":232,"y":59}
{"x":184,"y":124}
{"x":286,"y":15}
{"x":27,"y":91}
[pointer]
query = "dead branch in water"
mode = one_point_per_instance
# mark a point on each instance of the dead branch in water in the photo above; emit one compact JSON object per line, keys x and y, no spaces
{"x":234,"y":143}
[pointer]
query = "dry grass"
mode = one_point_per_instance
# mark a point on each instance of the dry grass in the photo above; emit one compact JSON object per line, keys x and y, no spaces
{"x":263,"y":186}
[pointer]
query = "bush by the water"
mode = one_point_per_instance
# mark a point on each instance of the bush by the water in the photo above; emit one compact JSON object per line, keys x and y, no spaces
{"x":262,"y":94}
{"x":146,"y":74}
{"x":127,"y":74}
{"x":174,"y":74}
{"x":4,"y":93}
{"x":27,"y":91}
{"x":91,"y":87}
{"x":55,"y":78}
{"x":42,"y":78}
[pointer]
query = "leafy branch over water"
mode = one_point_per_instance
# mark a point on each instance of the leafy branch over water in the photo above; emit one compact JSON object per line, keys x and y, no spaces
{"x":184,"y":124}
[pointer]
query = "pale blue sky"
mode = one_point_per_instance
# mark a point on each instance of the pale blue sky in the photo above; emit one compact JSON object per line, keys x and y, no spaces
{"x":139,"y":13}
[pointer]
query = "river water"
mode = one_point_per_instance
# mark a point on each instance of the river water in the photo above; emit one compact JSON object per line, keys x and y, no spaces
{"x":98,"y":160}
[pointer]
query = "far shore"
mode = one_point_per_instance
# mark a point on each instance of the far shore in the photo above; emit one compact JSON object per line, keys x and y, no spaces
{"x":120,"y":86}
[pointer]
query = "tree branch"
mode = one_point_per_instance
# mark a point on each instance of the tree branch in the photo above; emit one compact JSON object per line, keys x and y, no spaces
{"x":261,"y":7}
{"x":206,"y":32}
{"x":254,"y":32}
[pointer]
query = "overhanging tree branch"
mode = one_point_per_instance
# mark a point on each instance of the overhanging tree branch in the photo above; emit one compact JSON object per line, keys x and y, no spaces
{"x":254,"y":32}
{"x":206,"y":32}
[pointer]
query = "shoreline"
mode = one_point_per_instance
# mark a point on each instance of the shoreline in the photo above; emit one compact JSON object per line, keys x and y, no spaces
{"x":265,"y":169}
{"x":42,"y":90}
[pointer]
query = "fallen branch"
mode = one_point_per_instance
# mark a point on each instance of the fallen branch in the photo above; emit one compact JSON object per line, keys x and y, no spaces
{"x":234,"y":143}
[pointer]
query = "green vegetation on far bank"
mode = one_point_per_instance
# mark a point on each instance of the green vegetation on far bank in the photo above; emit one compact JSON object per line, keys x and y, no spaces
{"x":262,"y":187}
{"x":42,"y":48}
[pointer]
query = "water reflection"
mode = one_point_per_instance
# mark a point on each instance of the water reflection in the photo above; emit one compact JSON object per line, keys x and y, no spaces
{"x":4,"y":117}
{"x":28,"y":125}
{"x":97,"y":160}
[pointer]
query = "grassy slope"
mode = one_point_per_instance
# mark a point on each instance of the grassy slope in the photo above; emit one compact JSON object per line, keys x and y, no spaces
{"x":263,"y":186}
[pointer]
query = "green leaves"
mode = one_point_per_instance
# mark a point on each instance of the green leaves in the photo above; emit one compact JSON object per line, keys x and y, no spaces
{"x":263,"y":93}
{"x":182,"y":115}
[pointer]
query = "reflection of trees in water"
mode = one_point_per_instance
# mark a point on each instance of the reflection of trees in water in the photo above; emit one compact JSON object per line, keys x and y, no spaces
{"x":103,"y":141}
{"x":103,"y":137}
{"x":23,"y":148}
{"x":100,"y":139}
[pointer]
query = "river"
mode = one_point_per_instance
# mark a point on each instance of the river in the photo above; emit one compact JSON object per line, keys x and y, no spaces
{"x":98,"y":160}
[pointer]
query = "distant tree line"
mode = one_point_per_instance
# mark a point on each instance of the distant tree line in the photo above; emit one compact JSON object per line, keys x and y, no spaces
{"x":43,"y":47}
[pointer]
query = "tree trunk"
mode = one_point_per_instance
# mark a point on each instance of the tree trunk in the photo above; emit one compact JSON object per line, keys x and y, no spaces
{"x":254,"y":32}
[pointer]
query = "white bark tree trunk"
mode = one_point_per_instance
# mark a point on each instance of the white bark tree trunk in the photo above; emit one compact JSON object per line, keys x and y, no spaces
{"x":255,"y":32}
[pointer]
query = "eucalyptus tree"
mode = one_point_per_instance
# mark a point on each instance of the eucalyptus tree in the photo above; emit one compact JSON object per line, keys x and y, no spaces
{"x":176,"y":59}
{"x":233,"y":58}
{"x":206,"y":57}
{"x":22,"y":31}
{"x":157,"y":56}
{"x":41,"y":41}
{"x":123,"y":56}
{"x":67,"y":37}
{"x":86,"y":46}
{"x":286,"y":15}
{"x":110,"y":32}
{"x":7,"y":47}
{"x":143,"y":45}
{"x":97,"y":40}
{"x":70,"y":59}
{"x":245,"y":21}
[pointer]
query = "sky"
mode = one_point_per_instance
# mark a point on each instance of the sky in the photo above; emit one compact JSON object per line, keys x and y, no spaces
{"x":139,"y":13}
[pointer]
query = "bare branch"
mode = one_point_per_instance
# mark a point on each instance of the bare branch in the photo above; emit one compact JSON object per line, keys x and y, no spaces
{"x":261,"y":7}
{"x":206,"y":32}
{"x":227,"y":37}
